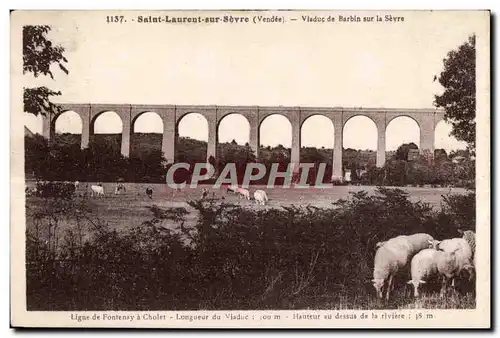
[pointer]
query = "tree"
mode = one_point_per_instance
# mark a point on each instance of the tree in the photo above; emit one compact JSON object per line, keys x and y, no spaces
{"x":403,"y":150}
{"x":440,"y":155}
{"x":459,"y":97}
{"x":39,"y":54}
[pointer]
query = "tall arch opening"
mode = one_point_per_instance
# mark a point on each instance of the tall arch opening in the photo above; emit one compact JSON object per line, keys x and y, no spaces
{"x":191,"y":138}
{"x":234,"y":128}
{"x":316,"y":145}
{"x":106,"y":131}
{"x":147,"y":134}
{"x":275,"y":139}
{"x":402,"y":132}
{"x":444,"y":143}
{"x":452,"y":161}
{"x":233,"y":134}
{"x":68,"y":128}
{"x":275,"y":144}
{"x":359,"y":146}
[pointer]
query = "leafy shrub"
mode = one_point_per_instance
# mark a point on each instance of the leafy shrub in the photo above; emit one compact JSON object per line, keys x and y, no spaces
{"x":55,"y":189}
{"x":233,"y":257}
{"x":457,"y":212}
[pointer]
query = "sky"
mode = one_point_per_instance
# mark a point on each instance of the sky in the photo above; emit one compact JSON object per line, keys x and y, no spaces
{"x":389,"y":65}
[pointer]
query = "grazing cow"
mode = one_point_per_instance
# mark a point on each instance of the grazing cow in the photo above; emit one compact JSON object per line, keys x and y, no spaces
{"x":260,"y":197}
{"x":97,"y":190}
{"x":204,"y":193}
{"x":149,"y":192}
{"x":175,"y":191}
{"x":77,"y":184}
{"x":243,"y":193}
{"x":119,"y":187}
{"x":232,"y":188}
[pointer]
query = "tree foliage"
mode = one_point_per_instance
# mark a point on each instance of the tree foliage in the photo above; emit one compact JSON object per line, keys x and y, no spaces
{"x":39,"y":54}
{"x":459,"y":98}
{"x":37,"y":100}
{"x":403,"y":150}
{"x":421,"y":171}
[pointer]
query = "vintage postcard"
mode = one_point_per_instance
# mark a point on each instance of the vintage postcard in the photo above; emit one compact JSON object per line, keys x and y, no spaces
{"x":250,"y":169}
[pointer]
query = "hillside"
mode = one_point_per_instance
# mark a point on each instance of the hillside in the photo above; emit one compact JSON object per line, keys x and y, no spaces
{"x":141,"y":143}
{"x":189,"y":149}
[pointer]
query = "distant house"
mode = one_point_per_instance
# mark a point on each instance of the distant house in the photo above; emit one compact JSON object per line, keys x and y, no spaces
{"x":347,"y":176}
{"x":28,"y":132}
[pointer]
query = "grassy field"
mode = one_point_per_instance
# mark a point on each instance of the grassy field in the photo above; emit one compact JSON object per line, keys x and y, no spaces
{"x":131,"y":207}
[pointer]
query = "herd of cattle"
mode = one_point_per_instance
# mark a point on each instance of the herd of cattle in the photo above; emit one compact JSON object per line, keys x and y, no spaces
{"x":426,"y":257}
{"x":97,"y":190}
{"x":260,"y":196}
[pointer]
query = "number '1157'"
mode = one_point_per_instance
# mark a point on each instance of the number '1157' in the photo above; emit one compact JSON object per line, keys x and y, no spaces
{"x":114,"y":18}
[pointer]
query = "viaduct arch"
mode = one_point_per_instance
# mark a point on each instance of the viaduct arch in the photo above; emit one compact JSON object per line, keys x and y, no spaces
{"x":427,"y":120}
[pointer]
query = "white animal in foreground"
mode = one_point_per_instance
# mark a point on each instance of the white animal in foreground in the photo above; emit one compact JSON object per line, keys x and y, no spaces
{"x":77,"y":184}
{"x":463,"y":253}
{"x":260,"y":197}
{"x":470,"y":237}
{"x":97,"y":190}
{"x":431,"y":262}
{"x":392,"y":256}
{"x":243,"y":193}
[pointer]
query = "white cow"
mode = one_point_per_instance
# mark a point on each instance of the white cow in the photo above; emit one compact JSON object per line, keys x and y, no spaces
{"x":119,"y":187}
{"x":175,"y":191}
{"x":232,"y":188}
{"x":77,"y":184}
{"x":260,"y":197}
{"x":97,"y":190}
{"x":243,"y":193}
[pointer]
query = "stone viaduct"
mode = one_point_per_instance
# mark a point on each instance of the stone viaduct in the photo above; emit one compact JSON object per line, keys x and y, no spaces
{"x":427,"y":120}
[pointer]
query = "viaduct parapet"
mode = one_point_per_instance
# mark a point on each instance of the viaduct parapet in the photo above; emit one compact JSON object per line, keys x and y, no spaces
{"x":427,"y":119}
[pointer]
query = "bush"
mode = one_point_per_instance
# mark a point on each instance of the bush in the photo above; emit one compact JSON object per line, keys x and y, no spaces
{"x":457,"y":212}
{"x":55,"y":189}
{"x":233,"y":257}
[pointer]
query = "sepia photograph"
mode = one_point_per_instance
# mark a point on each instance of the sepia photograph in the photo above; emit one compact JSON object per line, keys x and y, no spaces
{"x":280,"y":169}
